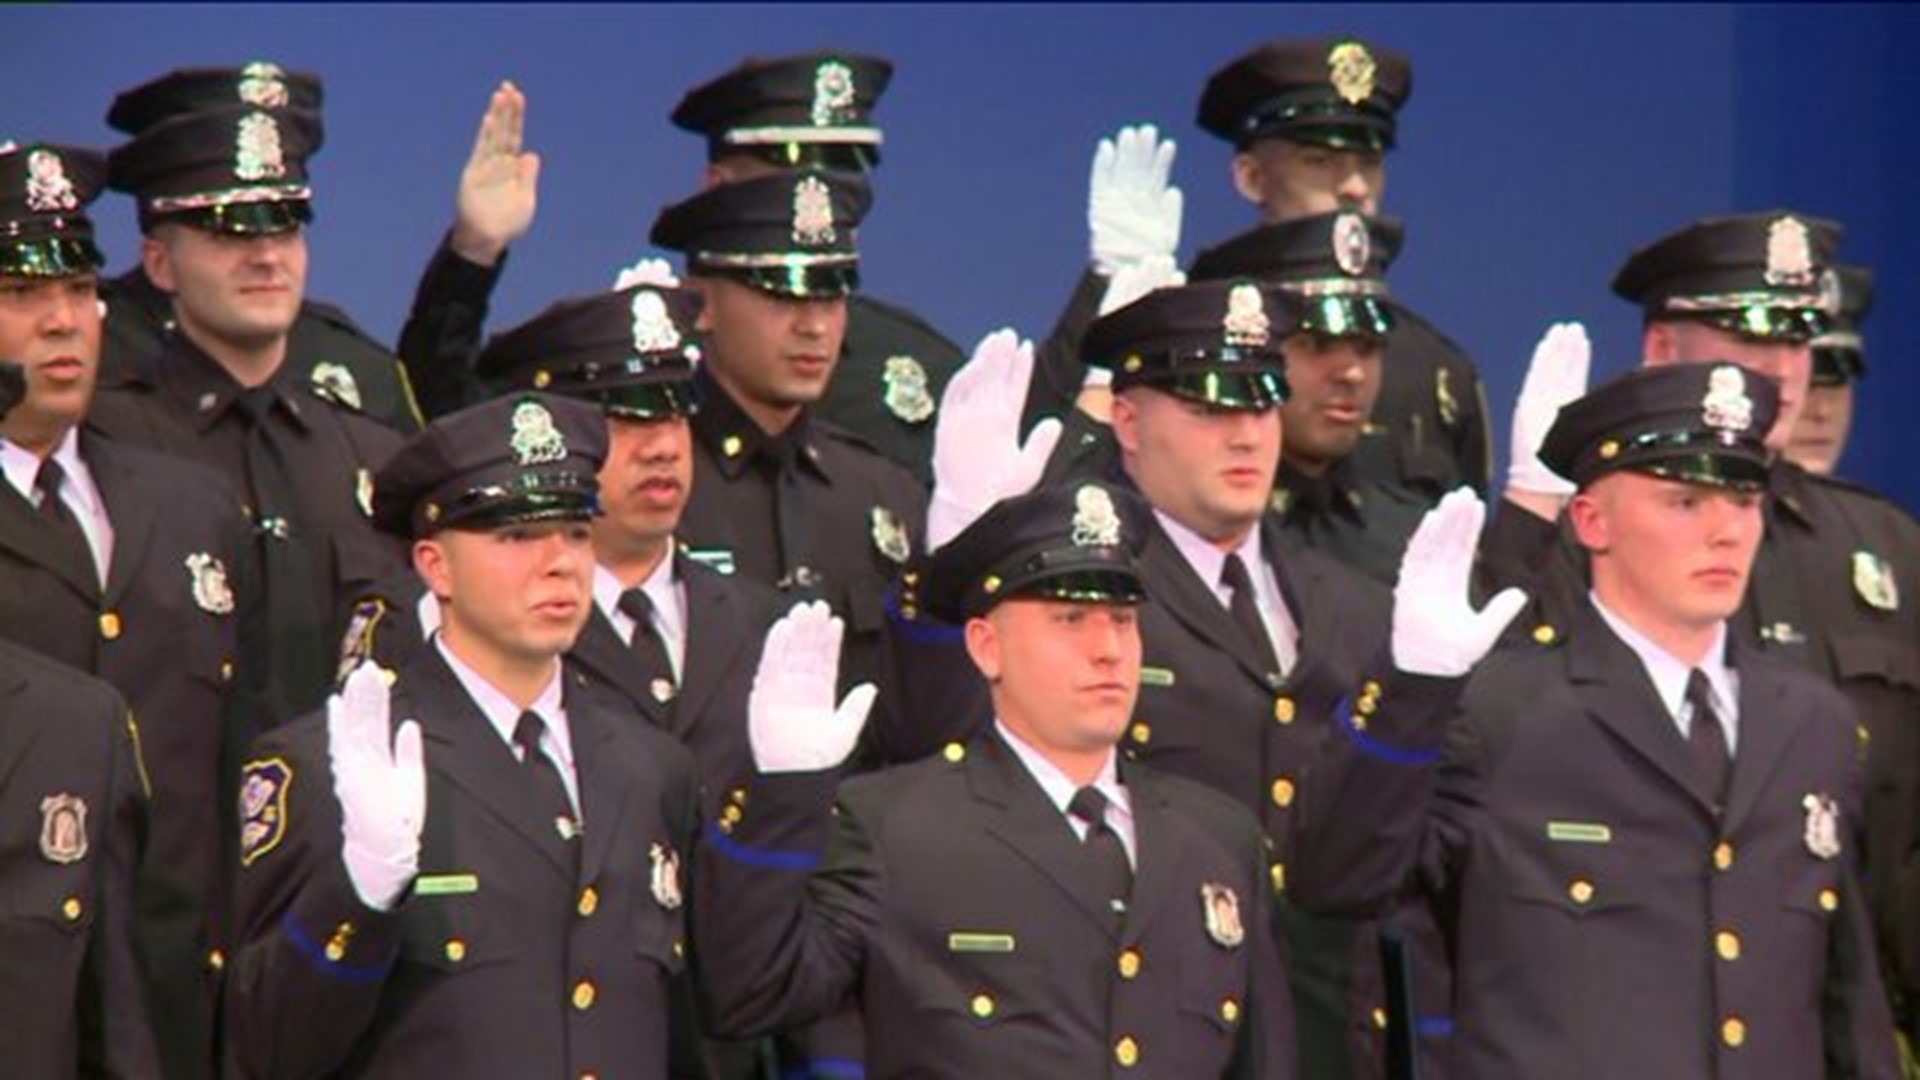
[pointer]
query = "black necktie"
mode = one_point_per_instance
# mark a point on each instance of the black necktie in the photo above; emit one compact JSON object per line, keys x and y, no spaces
{"x":296,"y":560}
{"x":57,"y":514}
{"x":1243,"y":609}
{"x":780,"y":457}
{"x":543,"y":773}
{"x":1105,"y":853}
{"x":647,"y":645}
{"x":1707,"y":739}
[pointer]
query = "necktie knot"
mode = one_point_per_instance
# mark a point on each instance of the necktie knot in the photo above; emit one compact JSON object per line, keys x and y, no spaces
{"x":635,"y":604}
{"x":526,"y":735}
{"x":1089,"y":806}
{"x":49,"y":479}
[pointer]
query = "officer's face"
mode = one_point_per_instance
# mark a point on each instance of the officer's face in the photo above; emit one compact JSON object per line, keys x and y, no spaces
{"x":1820,"y":438}
{"x":1063,"y":674}
{"x":1788,"y":363}
{"x":643,"y":485}
{"x":1208,"y":468}
{"x":773,"y":354}
{"x":241,"y":292}
{"x":1667,"y":555}
{"x":512,"y":598}
{"x":1332,"y":383}
{"x":1287,"y":179}
{"x":51,"y":327}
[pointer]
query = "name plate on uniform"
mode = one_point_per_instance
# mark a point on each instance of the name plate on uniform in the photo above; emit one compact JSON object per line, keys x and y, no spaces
{"x":446,"y":884}
{"x":719,"y":560}
{"x":1579,"y":832}
{"x":980,"y":943}
{"x":1156,"y":676}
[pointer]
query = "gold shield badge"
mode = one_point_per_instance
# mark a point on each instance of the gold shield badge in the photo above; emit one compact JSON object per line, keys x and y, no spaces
{"x":1874,"y":581}
{"x":907,"y":395}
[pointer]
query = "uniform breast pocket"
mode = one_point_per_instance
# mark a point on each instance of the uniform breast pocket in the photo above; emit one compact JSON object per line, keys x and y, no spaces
{"x":1213,"y":986}
{"x":47,"y":920}
{"x":1877,"y":657}
{"x":984,"y":990}
{"x":659,"y":937}
{"x":1578,"y":880}
{"x":451,"y":933}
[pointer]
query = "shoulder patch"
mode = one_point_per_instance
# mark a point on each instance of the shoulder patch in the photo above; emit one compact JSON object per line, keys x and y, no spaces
{"x":356,"y":645}
{"x":263,"y":806}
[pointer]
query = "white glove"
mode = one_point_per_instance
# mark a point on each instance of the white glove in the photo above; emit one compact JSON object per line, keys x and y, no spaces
{"x":647,"y":272}
{"x":1133,"y":212}
{"x":1136,"y":279}
{"x":978,"y":458}
{"x":1435,"y":629}
{"x":381,"y":782}
{"x":792,"y":723}
{"x":1556,"y":375}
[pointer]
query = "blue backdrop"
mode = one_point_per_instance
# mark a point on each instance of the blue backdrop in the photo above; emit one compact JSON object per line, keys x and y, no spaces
{"x":1540,"y":145}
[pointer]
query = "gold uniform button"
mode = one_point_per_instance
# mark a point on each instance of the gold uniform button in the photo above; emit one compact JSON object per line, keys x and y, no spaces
{"x":1283,"y":710}
{"x":226,"y":671}
{"x":1581,"y":890}
{"x":731,"y":445}
{"x":954,"y":752}
{"x":679,"y":949}
{"x":589,"y":902}
{"x":1141,"y":733}
{"x":731,"y":815}
{"x":739,"y":796}
{"x":589,"y":1076}
{"x":583,"y":994}
{"x":982,"y":1006}
{"x":1723,"y":856}
{"x":1380,"y":1019}
{"x":1230,"y":1011}
{"x":336,"y":949}
{"x":110,"y":625}
{"x":1126,"y":1052}
{"x":1130,"y":964}
{"x":1283,"y":793}
{"x":1829,"y":900}
{"x":542,"y":379}
{"x":1544,"y":634}
{"x":72,"y":908}
{"x":216,"y":960}
{"x":1727,"y":944}
{"x":1279,"y":876}
{"x":1733,"y":1032}
{"x":456,"y":950}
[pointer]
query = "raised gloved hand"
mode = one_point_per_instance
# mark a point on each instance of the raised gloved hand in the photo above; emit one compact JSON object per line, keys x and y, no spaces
{"x":647,"y":271}
{"x":792,"y":722}
{"x":1435,"y":629}
{"x":1556,"y":375}
{"x":380,"y":778}
{"x":499,"y":188}
{"x":1136,"y":279}
{"x":978,"y":458}
{"x":1133,"y":211}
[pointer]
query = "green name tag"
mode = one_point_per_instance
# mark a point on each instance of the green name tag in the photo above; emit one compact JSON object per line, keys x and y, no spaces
{"x":1156,"y":676}
{"x":1579,"y":832}
{"x":719,"y":560}
{"x":991,"y":943}
{"x":446,"y":884}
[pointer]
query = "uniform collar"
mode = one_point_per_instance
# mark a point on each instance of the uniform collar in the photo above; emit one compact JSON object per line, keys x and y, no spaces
{"x":1296,"y":494}
{"x":1670,"y":674}
{"x":502,"y":714}
{"x":737,"y":442}
{"x":206,"y":392}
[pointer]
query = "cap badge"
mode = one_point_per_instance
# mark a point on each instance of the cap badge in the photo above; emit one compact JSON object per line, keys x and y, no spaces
{"x":335,"y":383}
{"x":1352,"y":247}
{"x":812,"y":213}
{"x":1727,"y":407}
{"x":890,"y":535}
{"x":48,"y":188}
{"x":1246,"y":322}
{"x":653,"y":329}
{"x":832,"y":93}
{"x":263,"y":807}
{"x":666,"y":876}
{"x":210,"y":588}
{"x":1789,"y":255}
{"x":1873,"y":580}
{"x":1095,"y":523}
{"x":536,"y":440}
{"x":1832,"y":296}
{"x":1823,"y":826}
{"x":256,"y":153}
{"x":1220,"y":906}
{"x":907,"y":396}
{"x":63,"y":828}
{"x":260,"y":85}
{"x":1350,"y":69}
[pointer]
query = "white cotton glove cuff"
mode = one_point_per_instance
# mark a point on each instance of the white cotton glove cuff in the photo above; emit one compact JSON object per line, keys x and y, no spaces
{"x":380,"y":781}
{"x":1556,"y":375}
{"x":1436,"y":631}
{"x":792,"y":722}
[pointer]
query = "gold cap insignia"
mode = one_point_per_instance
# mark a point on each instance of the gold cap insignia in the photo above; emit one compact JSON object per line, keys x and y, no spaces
{"x":832,"y":93}
{"x":1350,"y":69}
{"x":536,"y":440}
{"x":1220,"y":906}
{"x":63,"y":828}
{"x":1789,"y":254}
{"x":1874,"y":582}
{"x":210,"y":589}
{"x":1246,"y":322}
{"x":1823,"y":826}
{"x":1352,"y":246}
{"x":260,"y":85}
{"x":653,"y":329}
{"x":812,"y":213}
{"x":666,"y":876}
{"x":336,"y":383}
{"x":1727,"y":408}
{"x":1095,"y":522}
{"x":48,"y":188}
{"x":257,"y":154}
{"x":907,"y":395}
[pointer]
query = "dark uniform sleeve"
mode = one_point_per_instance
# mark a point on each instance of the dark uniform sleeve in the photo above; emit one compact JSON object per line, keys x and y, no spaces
{"x":1857,"y":1020}
{"x":1057,"y":370}
{"x":113,"y":1013}
{"x":444,"y":331}
{"x":312,"y":959}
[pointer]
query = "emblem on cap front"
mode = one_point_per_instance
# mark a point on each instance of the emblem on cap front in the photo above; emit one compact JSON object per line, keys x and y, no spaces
{"x":63,"y":828}
{"x":890,"y":535}
{"x":812,"y":213}
{"x":1220,"y":907}
{"x":832,"y":93}
{"x":261,"y":87}
{"x":1350,"y":69}
{"x":1823,"y":826}
{"x":666,"y":876}
{"x":335,"y":383}
{"x":1352,"y":247}
{"x":536,"y":440}
{"x":1873,"y":581}
{"x":257,"y":154}
{"x":1727,"y":408}
{"x":653,"y":329}
{"x":1789,"y":253}
{"x":1095,"y":522}
{"x":1246,"y":322}
{"x":48,"y":188}
{"x":210,"y":588}
{"x":907,"y":395}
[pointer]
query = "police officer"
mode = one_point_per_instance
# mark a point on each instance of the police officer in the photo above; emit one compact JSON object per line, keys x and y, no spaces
{"x":779,"y":495}
{"x":1642,"y":830}
{"x":1819,"y":438}
{"x":491,"y":885}
{"x":816,"y":110}
{"x":1336,"y":264}
{"x":223,"y":197}
{"x":129,"y":565}
{"x":1048,"y":908}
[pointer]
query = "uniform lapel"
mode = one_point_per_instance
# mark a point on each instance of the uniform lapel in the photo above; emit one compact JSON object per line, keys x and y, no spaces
{"x":23,"y":533}
{"x":1768,"y":729}
{"x":1159,"y":850}
{"x":603,"y":797}
{"x":717,"y":630}
{"x":130,"y":509}
{"x":1615,"y":690}
{"x":601,"y":654}
{"x":1021,"y":816}
{"x":1303,"y":590}
{"x":1175,"y":587}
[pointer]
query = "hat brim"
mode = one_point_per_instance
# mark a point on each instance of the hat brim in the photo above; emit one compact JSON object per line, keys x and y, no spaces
{"x":1837,"y":366}
{"x":558,"y":497}
{"x":264,"y":218}
{"x":1734,"y":472}
{"x":1346,"y":316}
{"x":50,"y":257}
{"x":1760,"y":322}
{"x":644,"y":401}
{"x":842,"y":156}
{"x":1252,"y":391}
{"x":799,"y":282}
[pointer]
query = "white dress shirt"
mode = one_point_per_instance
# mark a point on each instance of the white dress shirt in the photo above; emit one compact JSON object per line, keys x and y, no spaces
{"x":79,"y":492}
{"x":669,"y":608}
{"x":1208,"y":560}
{"x":556,"y":739}
{"x":1670,"y":676}
{"x":1060,"y":789}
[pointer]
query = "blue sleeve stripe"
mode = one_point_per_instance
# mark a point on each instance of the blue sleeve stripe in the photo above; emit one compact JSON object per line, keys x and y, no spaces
{"x":826,"y":1069}
{"x":765,"y":858}
{"x":922,"y":631}
{"x":1373,"y":747}
{"x":311,"y":949}
{"x":1434,"y":1027}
